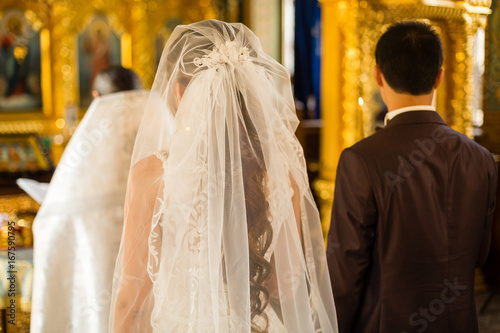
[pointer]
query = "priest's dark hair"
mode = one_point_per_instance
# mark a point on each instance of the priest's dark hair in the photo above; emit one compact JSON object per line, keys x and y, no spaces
{"x":116,"y":78}
{"x":410,"y":55}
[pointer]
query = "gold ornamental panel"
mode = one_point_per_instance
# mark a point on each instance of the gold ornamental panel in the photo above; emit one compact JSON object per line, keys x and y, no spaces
{"x":15,"y":204}
{"x":479,"y":3}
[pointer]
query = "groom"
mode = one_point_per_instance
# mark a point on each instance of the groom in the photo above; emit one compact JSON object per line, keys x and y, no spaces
{"x":413,"y":204}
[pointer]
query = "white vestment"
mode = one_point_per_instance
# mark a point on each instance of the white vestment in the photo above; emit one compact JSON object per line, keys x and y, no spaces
{"x":78,"y":228}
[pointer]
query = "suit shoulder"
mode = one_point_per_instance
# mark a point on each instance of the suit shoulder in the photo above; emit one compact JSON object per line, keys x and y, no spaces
{"x":370,"y":142}
{"x":471,"y":144}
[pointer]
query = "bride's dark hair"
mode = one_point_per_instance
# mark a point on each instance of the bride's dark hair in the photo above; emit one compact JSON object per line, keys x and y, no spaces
{"x":260,"y":232}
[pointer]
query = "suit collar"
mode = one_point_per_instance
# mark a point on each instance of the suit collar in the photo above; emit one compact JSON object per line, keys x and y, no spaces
{"x":416,"y":117}
{"x":394,"y":113}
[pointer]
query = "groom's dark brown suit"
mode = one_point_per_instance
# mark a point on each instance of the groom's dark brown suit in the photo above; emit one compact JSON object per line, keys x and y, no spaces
{"x":411,"y":219}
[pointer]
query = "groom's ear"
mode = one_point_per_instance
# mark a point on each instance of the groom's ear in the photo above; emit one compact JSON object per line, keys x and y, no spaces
{"x":439,"y":78}
{"x":377,"y":74}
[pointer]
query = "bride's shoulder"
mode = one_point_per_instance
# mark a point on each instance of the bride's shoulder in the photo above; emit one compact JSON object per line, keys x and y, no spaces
{"x":150,"y":165}
{"x":162,"y":155}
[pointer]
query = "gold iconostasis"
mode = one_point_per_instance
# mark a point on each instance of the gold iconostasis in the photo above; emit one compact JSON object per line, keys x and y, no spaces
{"x":52,"y":50}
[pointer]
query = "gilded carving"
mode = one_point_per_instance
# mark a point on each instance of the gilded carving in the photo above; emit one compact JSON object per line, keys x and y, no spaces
{"x":14,"y":204}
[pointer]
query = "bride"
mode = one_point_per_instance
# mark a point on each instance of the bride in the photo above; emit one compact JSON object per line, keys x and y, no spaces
{"x":221,"y":231}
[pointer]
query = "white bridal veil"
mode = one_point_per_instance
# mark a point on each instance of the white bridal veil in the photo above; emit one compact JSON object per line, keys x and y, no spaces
{"x":221,"y":231}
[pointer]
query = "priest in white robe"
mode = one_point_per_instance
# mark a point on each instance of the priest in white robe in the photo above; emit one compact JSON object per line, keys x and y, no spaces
{"x":78,"y":228}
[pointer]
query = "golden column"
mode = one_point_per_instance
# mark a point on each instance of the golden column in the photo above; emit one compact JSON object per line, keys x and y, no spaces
{"x":339,"y":91}
{"x":351,"y":29}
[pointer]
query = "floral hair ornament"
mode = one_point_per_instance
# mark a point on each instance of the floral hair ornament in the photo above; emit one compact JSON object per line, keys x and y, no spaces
{"x":224,"y":53}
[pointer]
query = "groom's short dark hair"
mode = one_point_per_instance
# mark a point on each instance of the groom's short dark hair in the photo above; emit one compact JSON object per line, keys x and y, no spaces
{"x":410,"y":55}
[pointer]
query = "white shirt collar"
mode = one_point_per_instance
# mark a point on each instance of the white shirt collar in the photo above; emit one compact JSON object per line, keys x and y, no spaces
{"x":394,"y":113}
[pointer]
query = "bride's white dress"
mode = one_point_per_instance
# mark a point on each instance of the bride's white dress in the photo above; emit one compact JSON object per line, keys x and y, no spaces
{"x":190,"y":301}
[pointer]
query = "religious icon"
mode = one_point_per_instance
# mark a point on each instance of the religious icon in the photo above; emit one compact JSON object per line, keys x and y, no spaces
{"x":98,"y":47}
{"x":20,"y":88}
{"x":23,"y":153}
